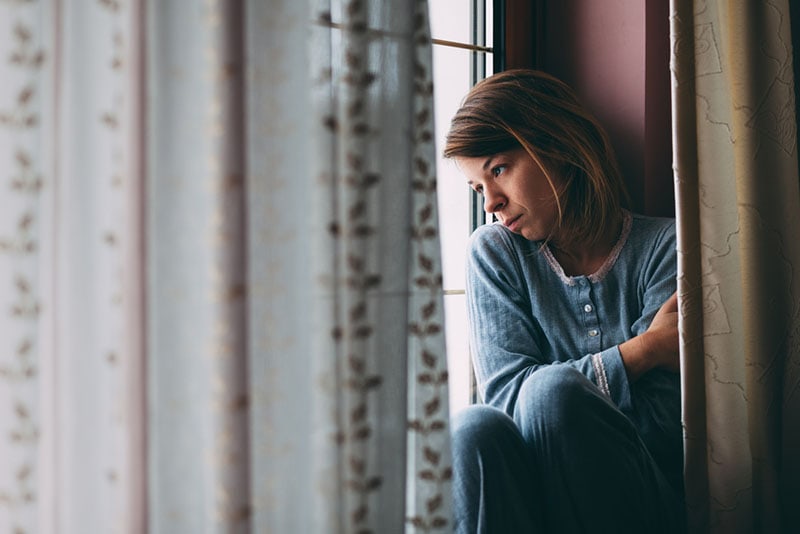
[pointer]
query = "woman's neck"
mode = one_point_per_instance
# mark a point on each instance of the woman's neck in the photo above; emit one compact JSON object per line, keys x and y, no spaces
{"x":584,"y":259}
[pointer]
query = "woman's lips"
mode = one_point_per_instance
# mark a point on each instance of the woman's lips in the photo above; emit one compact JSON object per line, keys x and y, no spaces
{"x":512,"y":223}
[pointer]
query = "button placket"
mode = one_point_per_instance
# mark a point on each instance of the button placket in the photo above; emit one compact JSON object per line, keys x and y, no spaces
{"x":590,"y":321}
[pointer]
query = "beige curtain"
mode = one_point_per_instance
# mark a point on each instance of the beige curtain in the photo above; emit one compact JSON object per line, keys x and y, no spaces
{"x":220,"y":282}
{"x":738,"y":209}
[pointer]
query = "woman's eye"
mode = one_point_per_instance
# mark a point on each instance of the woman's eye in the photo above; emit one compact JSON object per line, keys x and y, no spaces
{"x":497,"y":171}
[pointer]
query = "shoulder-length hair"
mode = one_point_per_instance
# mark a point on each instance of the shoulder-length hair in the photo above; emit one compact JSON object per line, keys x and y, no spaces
{"x":539,"y":113}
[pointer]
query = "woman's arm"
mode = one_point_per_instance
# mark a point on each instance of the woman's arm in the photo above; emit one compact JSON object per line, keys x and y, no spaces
{"x":657,"y":347}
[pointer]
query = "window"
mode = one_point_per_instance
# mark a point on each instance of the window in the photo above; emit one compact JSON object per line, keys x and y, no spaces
{"x":462,"y":55}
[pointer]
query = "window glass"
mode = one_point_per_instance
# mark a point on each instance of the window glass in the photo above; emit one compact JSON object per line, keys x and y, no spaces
{"x":457,"y":27}
{"x":450,"y":20}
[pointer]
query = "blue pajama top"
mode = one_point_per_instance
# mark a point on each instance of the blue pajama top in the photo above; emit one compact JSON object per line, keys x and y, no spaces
{"x":525,"y":313}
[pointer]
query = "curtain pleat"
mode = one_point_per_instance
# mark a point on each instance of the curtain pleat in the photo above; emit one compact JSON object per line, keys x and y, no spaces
{"x":280,"y":217}
{"x":428,"y":461}
{"x":196,"y":272}
{"x":71,"y":365}
{"x":93,"y":427}
{"x":738,"y":208}
{"x":26,"y":117}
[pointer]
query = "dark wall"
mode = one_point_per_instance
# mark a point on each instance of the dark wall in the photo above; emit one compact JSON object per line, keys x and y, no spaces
{"x":615,"y":54}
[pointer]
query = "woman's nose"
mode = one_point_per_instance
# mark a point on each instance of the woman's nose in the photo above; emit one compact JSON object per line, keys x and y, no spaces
{"x":493,"y":200}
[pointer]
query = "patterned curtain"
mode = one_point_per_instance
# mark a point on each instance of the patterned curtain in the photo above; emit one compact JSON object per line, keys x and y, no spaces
{"x":735,"y":140}
{"x":71,"y":360}
{"x":220,"y":283}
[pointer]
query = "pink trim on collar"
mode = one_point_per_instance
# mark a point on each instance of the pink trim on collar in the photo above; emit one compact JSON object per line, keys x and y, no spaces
{"x":627,"y":222}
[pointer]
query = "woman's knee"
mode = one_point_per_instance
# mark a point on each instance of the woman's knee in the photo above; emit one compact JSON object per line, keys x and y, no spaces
{"x":481,"y":428}
{"x":486,"y":443}
{"x":555,"y":398}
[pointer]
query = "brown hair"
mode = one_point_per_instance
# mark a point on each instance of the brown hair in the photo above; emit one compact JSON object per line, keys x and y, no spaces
{"x":535,"y":111}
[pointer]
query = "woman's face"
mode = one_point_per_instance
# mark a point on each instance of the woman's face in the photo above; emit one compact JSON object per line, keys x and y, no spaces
{"x":515,"y":189}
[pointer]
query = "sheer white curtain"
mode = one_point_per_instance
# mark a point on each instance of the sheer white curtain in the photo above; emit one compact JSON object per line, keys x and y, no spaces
{"x":71,"y":405}
{"x":735,"y":139}
{"x":221,"y":288}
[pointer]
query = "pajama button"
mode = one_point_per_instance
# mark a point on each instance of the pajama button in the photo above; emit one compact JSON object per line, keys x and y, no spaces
{"x":593,"y":333}
{"x":588,"y":308}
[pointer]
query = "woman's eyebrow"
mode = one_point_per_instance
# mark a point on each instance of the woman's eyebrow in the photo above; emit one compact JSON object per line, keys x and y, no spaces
{"x":487,"y":162}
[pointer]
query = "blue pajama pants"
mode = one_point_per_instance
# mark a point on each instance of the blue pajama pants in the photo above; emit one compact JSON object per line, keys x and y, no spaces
{"x":568,"y":461}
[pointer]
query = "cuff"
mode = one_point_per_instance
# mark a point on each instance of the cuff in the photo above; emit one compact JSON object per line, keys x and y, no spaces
{"x":611,"y":378}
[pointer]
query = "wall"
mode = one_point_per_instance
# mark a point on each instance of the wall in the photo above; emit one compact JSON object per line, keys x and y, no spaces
{"x":615,"y":54}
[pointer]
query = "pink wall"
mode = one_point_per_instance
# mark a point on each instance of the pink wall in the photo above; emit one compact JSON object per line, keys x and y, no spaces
{"x":615,"y":53}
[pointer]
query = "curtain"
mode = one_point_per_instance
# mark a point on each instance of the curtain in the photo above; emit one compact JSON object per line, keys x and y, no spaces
{"x":220,"y":282}
{"x":738,"y":210}
{"x":71,"y":427}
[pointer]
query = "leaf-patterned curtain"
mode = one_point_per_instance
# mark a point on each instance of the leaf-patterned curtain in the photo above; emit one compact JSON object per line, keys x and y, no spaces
{"x":738,"y":207}
{"x":220,"y":283}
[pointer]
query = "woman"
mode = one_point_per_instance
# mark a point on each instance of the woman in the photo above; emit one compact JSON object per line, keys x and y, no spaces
{"x":573,"y":321}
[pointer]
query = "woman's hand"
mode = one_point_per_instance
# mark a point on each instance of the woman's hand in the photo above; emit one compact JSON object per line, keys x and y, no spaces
{"x":663,"y":335}
{"x":657,"y":347}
